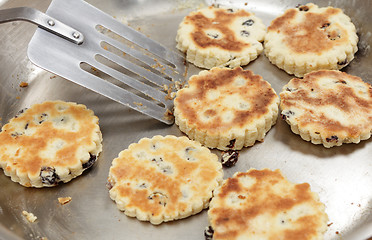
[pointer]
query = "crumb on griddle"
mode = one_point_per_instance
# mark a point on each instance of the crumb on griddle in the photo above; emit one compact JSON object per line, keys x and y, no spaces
{"x":138,"y":104}
{"x":180,"y":85}
{"x":172,"y":88}
{"x":169,"y":90}
{"x":165,"y":87}
{"x":168,"y":115}
{"x":64,"y":200}
{"x":29,"y":216}
{"x":23,"y":84}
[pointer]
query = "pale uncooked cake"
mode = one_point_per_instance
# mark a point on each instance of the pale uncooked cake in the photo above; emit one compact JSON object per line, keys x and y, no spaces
{"x":328,"y":107}
{"x":164,"y":178}
{"x":309,"y":38}
{"x":48,"y":143}
{"x":262,"y":204}
{"x":226,"y":108}
{"x":213,"y":37}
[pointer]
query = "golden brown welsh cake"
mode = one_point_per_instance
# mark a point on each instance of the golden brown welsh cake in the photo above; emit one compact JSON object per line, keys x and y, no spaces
{"x":164,"y":178}
{"x":328,"y":107}
{"x":213,"y":37}
{"x":48,"y":143}
{"x":226,"y":108}
{"x":309,"y":38}
{"x":262,"y":204}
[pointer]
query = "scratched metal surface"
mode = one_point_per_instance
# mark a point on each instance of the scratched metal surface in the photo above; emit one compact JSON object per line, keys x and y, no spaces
{"x":342,"y":176}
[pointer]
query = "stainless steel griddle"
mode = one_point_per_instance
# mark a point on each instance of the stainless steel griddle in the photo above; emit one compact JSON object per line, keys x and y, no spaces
{"x":342,"y":176}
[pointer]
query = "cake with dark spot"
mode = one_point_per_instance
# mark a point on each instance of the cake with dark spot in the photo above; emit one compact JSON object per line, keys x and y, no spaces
{"x":164,"y":178}
{"x":263,"y":204}
{"x":216,"y":37}
{"x":49,"y":143}
{"x":227,"y":109}
{"x":328,"y":107}
{"x":309,"y":38}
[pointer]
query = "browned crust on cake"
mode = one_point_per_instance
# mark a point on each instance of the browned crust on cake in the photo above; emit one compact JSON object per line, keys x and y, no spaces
{"x":164,"y":178}
{"x":224,"y":18}
{"x":272,"y":204}
{"x":315,"y":38}
{"x":32,"y":162}
{"x":260,"y":98}
{"x":346,"y":99}
{"x":127,"y":170}
{"x":130,"y":169}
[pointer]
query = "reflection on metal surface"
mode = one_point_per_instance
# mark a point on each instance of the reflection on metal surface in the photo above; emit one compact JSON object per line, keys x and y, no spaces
{"x":342,"y":176}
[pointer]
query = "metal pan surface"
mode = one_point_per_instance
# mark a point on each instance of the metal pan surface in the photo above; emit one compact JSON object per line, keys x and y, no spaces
{"x":342,"y":176}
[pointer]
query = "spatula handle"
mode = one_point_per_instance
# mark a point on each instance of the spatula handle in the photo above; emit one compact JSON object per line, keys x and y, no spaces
{"x":43,"y":21}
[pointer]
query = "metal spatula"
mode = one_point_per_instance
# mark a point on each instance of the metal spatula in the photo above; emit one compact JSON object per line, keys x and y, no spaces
{"x":92,"y":49}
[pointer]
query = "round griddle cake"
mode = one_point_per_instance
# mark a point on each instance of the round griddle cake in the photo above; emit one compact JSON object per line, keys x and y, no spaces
{"x":164,"y":178}
{"x":328,"y":107}
{"x":48,"y":143}
{"x":226,"y":108}
{"x":213,"y":37}
{"x":309,"y":38}
{"x":262,"y":204}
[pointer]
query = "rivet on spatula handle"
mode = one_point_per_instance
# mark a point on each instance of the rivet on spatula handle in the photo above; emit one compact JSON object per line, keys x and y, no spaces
{"x":43,"y":21}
